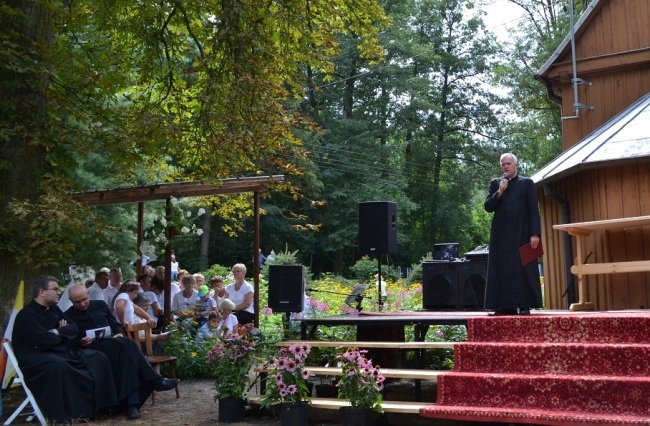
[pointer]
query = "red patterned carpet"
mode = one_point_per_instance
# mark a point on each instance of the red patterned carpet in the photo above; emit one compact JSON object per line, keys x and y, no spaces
{"x":550,"y":369}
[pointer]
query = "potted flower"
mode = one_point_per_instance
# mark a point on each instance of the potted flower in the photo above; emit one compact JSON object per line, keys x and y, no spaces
{"x":361,"y":384}
{"x":287,"y":384}
{"x":231,"y":360}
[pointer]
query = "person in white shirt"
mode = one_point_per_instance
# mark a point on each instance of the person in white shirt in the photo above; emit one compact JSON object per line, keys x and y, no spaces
{"x":381,"y":286}
{"x":185,"y":301}
{"x":174,"y":267}
{"x":218,"y":293}
{"x":115,"y":279}
{"x":241,"y":293}
{"x":100,"y":290}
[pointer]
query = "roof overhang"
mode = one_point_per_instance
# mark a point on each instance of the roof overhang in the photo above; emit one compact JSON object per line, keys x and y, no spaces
{"x":163,"y":191}
{"x":624,"y":139}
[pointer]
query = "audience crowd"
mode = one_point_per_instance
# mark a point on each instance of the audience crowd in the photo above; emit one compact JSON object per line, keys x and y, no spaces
{"x":82,"y":335}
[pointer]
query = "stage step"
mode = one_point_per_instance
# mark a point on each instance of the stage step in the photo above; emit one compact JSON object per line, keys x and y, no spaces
{"x":554,"y":358}
{"x":395,"y":373}
{"x":610,"y":327}
{"x":403,"y":407}
{"x":555,"y":369}
{"x":593,"y":394}
{"x":530,"y":416}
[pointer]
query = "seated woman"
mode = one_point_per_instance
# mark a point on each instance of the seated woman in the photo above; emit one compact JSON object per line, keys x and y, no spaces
{"x":143,"y":302}
{"x":241,"y":293}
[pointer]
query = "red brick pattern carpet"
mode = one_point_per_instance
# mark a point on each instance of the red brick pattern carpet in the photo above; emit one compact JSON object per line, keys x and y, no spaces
{"x":564,"y":369}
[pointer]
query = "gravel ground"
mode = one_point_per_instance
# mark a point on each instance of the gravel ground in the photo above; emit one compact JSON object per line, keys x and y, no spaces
{"x":196,"y":407}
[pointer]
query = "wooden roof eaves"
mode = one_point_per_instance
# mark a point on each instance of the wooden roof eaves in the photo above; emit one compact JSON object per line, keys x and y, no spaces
{"x":163,"y":191}
{"x":565,"y":45}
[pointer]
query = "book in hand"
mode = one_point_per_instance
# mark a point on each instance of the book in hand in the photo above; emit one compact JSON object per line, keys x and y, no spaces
{"x":99,"y":333}
{"x":529,"y":254}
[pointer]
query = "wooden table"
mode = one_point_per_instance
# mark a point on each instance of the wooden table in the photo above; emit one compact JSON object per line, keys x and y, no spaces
{"x":581,"y":230}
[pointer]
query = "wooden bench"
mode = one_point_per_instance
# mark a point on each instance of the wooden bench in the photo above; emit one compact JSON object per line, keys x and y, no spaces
{"x":404,"y":407}
{"x":581,"y":230}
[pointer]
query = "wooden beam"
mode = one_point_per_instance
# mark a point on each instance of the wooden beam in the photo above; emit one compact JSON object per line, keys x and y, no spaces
{"x":177,"y":190}
{"x":563,"y":71}
{"x":612,"y":268}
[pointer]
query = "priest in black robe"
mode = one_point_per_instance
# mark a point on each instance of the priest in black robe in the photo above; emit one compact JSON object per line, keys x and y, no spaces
{"x":512,"y":288}
{"x":68,"y":382}
{"x":133,"y":376}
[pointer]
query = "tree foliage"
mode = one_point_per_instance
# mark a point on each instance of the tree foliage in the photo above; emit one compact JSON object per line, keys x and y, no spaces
{"x":182,"y":89}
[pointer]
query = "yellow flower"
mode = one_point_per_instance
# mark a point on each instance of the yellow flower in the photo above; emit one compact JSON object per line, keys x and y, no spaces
{"x":193,"y":354}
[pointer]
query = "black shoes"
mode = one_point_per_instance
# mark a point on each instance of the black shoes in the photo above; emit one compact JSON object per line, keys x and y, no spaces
{"x":524,"y":311}
{"x":163,"y":384}
{"x":132,"y":412}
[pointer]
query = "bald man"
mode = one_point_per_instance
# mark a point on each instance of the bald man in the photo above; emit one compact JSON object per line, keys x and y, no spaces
{"x":133,"y":376}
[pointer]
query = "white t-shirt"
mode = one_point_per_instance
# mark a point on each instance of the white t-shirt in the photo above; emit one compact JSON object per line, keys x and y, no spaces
{"x":230,"y":321}
{"x":175,"y":288}
{"x":129,"y":313}
{"x":182,"y":303}
{"x":153,"y":297}
{"x":95,"y":292}
{"x":237,"y":297}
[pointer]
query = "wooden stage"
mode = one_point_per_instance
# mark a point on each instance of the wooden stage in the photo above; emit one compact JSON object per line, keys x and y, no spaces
{"x":422,"y":320}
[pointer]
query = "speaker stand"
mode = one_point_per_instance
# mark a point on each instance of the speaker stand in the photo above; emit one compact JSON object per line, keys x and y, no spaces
{"x":380,"y":300}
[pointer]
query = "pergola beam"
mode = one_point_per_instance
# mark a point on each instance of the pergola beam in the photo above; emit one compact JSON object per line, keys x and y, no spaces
{"x":162,"y":191}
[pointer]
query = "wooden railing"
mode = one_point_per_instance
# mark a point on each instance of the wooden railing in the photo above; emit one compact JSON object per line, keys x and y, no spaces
{"x":581,"y":230}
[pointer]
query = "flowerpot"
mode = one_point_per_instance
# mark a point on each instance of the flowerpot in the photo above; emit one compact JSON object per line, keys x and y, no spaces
{"x":352,"y":416}
{"x":294,"y":414}
{"x":325,"y":390}
{"x":231,"y":409}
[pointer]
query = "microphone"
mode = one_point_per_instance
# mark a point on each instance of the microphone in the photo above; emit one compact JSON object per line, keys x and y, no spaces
{"x":505,"y":176}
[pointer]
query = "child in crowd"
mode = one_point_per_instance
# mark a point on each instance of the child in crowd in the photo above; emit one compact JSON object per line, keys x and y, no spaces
{"x":228,"y":323}
{"x":209,"y":329}
{"x":221,"y":324}
{"x":206,"y":305}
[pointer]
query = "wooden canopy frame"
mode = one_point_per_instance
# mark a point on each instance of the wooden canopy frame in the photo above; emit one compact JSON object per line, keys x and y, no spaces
{"x":165,"y":191}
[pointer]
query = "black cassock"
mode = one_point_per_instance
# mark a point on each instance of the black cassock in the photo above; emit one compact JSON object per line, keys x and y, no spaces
{"x":67,"y":382}
{"x":131,"y":370}
{"x":516,"y":218}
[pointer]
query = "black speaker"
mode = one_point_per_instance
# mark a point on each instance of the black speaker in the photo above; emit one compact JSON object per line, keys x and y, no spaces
{"x":472,"y":277}
{"x":286,"y":288}
{"x":378,"y":227}
{"x":439,"y":285}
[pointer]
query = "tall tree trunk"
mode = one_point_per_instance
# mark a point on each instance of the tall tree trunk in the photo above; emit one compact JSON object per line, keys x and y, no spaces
{"x":23,"y":116}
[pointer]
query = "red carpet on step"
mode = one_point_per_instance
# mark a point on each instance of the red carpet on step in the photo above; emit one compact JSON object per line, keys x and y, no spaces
{"x":550,"y":369}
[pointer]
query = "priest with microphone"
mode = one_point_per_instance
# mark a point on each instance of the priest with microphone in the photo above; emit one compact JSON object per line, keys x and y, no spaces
{"x":512,"y":288}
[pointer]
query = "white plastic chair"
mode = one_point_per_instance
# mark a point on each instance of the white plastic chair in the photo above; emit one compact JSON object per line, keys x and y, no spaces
{"x":29,"y":397}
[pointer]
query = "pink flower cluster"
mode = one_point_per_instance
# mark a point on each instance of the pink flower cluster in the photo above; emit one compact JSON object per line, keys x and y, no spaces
{"x":233,"y":348}
{"x":290,"y":376}
{"x":361,"y":382}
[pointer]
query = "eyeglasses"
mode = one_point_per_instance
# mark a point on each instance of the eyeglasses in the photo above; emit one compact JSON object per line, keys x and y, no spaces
{"x":55,"y":289}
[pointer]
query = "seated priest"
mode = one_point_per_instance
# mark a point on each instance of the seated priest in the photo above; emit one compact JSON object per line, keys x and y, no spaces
{"x":68,"y":382}
{"x":133,"y":376}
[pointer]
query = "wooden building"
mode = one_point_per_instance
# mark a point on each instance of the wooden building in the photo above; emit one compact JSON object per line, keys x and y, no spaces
{"x":604,"y":171}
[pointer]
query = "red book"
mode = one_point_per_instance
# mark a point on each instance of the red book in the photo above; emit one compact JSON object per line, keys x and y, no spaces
{"x":528,"y":254}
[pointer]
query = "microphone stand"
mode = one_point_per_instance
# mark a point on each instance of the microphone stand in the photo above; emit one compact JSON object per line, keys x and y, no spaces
{"x":357,"y":297}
